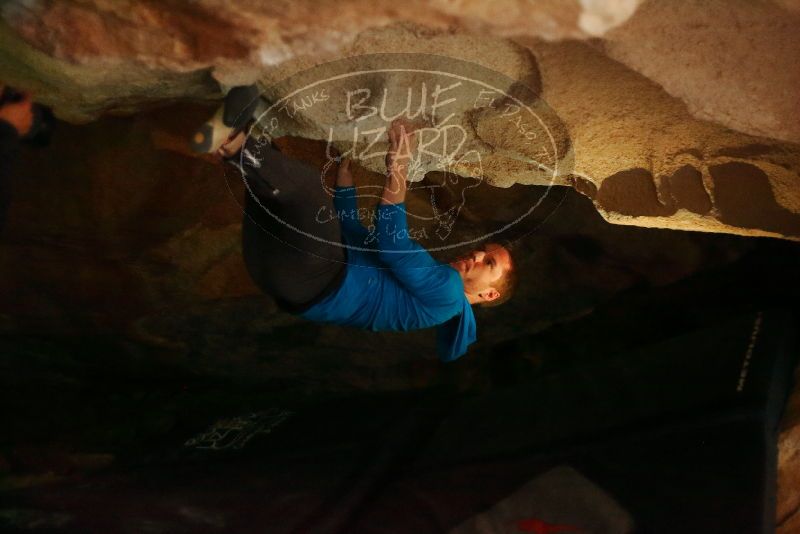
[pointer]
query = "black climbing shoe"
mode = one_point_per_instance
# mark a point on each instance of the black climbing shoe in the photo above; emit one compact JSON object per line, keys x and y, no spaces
{"x":234,"y":115}
{"x":240,"y":104}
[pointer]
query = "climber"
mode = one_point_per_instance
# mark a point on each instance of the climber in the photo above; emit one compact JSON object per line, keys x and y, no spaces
{"x":16,"y":121}
{"x":383,"y":279}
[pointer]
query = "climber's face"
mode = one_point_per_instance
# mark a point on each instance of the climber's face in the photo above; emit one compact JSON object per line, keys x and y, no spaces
{"x":481,"y":270}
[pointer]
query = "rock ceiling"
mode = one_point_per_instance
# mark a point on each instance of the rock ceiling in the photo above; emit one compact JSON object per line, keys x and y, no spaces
{"x":680,"y":115}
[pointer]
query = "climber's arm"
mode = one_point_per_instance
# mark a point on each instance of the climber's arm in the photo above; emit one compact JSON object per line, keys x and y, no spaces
{"x":401,"y":141}
{"x":344,"y":201}
{"x":427,"y":279}
{"x":344,"y":177}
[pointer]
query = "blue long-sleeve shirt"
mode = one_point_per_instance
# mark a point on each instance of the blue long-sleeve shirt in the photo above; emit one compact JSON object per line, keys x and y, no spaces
{"x":393,"y":283}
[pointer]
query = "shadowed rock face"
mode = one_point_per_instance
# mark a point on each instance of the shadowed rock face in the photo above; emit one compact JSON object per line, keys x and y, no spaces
{"x":124,"y":235}
{"x":686,"y":190}
{"x":632,"y":193}
{"x":745,"y":199}
{"x":675,"y":115}
{"x":238,"y":38}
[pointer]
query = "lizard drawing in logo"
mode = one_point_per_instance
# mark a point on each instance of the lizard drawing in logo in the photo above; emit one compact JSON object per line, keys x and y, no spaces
{"x":445,"y":187}
{"x":446,"y":216}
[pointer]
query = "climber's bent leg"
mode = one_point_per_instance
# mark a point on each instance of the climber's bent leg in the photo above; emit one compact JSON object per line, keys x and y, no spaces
{"x":289,"y":253}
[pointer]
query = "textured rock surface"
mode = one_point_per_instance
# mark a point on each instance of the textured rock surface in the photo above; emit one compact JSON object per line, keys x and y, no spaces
{"x":733,"y":62}
{"x":636,"y":151}
{"x":639,"y":153}
{"x":680,"y":115}
{"x":140,"y":238}
{"x":142,"y":46}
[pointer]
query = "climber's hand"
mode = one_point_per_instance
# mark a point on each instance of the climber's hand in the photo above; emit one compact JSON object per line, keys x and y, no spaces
{"x":344,"y":177}
{"x":402,"y":142}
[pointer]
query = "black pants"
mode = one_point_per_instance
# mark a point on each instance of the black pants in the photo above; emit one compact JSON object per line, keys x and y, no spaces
{"x":291,"y":244}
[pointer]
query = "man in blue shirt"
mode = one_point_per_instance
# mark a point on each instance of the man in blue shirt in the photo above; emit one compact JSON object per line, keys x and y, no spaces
{"x":337,"y":270}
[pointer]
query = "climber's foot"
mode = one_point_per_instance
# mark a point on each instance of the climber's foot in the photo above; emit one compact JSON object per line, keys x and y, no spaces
{"x":229,"y":120}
